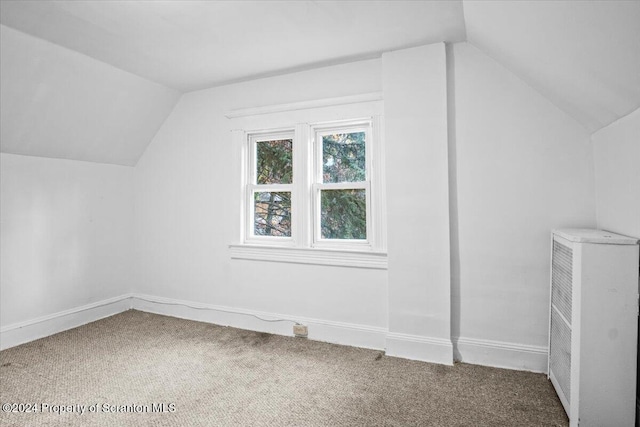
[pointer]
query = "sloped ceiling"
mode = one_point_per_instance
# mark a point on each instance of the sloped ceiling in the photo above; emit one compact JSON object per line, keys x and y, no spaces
{"x":191,"y":45}
{"x":59,"y":103}
{"x":94,"y":80}
{"x":584,"y":56}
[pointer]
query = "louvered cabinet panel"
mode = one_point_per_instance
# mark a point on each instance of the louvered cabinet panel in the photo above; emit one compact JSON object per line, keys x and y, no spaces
{"x":560,"y":354}
{"x":561,"y":300}
{"x":593,"y":326}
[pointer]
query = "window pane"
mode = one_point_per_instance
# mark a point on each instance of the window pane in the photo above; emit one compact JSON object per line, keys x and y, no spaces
{"x":343,"y":157}
{"x":274,"y":162}
{"x":343,"y":214}
{"x":272,"y":214}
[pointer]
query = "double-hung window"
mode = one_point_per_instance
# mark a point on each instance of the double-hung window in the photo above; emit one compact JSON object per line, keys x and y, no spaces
{"x":313,"y":193}
{"x":342,"y":186}
{"x":270,"y":187}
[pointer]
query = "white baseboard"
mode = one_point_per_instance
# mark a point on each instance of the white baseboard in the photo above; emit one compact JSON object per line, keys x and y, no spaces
{"x":415,"y":347}
{"x":437,"y":350}
{"x":319,"y":330}
{"x":22,"y":332}
{"x":501,"y":354}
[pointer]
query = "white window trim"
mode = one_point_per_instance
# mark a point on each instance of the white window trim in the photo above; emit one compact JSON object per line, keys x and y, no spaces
{"x":318,"y":130}
{"x":312,"y":256}
{"x":304,"y":247}
{"x":303,"y":105}
{"x":252,"y":187}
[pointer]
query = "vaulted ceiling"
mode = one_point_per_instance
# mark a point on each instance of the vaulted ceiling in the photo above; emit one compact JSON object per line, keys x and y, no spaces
{"x":189,"y":45}
{"x":584,"y":56}
{"x":94,"y":80}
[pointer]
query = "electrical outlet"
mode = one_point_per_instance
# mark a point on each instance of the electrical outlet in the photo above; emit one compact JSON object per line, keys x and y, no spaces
{"x":300,"y":331}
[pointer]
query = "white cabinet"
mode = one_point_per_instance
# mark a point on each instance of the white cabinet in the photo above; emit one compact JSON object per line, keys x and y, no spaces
{"x":594,"y":326}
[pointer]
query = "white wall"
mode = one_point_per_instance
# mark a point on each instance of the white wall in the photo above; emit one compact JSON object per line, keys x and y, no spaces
{"x":516,"y":167}
{"x":616,"y":150}
{"x":523,"y":168}
{"x":67,"y":235}
{"x":187,"y":211}
{"x":415,"y":94}
{"x":617,"y":166}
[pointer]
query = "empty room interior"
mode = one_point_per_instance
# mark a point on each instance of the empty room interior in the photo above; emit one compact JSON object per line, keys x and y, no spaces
{"x":319,"y":213}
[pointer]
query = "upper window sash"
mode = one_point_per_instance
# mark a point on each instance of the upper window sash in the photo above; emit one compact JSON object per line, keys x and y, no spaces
{"x":326,"y":129}
{"x":255,"y":139}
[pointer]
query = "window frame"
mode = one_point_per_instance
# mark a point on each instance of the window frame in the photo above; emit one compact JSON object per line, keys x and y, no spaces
{"x":253,"y":187}
{"x":304,"y":117}
{"x":317,"y":185}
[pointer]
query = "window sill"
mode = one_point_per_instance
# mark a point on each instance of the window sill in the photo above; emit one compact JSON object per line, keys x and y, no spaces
{"x":340,"y":258}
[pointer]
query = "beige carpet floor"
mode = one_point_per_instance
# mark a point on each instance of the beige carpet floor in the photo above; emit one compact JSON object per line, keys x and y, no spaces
{"x":207,"y":375}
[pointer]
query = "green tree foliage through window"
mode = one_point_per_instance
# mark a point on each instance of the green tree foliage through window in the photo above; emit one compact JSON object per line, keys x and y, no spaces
{"x":343,"y":211}
{"x":272,"y":210}
{"x":343,"y":157}
{"x":274,"y":162}
{"x":343,"y":214}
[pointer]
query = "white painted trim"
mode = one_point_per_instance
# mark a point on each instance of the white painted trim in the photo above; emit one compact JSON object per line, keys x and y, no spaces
{"x":304,"y":105}
{"x":302,"y":170}
{"x":501,"y":354}
{"x":378,"y":180}
{"x":305,"y":189}
{"x":416,"y":347}
{"x":241,"y":150}
{"x":22,"y":332}
{"x":428,"y":349}
{"x":252,"y":187}
{"x":317,"y":131}
{"x":319,"y":330}
{"x":314,"y":256}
